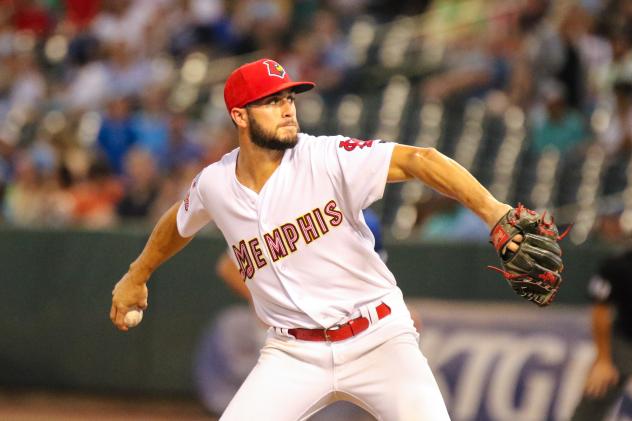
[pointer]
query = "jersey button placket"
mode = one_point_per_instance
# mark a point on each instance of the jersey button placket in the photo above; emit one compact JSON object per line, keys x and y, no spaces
{"x":266,"y":228}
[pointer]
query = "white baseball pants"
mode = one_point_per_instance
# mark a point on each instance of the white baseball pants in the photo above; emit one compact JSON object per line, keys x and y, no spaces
{"x":381,"y":370}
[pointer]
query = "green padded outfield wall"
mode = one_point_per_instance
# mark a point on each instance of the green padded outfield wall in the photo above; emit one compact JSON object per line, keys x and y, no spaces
{"x":56,"y":287}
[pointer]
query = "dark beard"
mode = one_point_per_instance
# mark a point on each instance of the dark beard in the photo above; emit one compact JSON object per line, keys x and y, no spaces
{"x":269,"y":141}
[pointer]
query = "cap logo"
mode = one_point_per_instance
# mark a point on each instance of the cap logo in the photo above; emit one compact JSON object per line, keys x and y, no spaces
{"x":275,"y":69}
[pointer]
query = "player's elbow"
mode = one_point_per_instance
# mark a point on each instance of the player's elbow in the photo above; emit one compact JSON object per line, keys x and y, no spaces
{"x":426,"y":154}
{"x":426,"y":164}
{"x":421,"y":158}
{"x":409,"y":162}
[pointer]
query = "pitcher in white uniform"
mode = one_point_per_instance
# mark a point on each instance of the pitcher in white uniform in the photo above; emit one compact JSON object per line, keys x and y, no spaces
{"x":290,"y":207}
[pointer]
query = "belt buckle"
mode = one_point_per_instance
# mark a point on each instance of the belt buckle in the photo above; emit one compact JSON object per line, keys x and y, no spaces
{"x":327,"y":338}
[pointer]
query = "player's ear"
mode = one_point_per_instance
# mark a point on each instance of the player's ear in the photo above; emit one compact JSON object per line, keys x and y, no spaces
{"x":239,"y":117}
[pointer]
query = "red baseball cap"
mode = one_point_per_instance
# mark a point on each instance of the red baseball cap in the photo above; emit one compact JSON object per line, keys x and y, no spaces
{"x":256,"y":80}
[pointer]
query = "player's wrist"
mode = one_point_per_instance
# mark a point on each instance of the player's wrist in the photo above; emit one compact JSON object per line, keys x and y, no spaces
{"x":603,"y":360}
{"x":495,"y":212}
{"x":140,"y":272}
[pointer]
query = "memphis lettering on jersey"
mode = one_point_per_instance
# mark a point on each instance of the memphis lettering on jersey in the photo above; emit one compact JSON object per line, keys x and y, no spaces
{"x":284,"y":239}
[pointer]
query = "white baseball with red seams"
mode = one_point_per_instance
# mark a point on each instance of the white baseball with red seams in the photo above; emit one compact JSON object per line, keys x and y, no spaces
{"x":133,"y":317}
{"x":307,"y":257}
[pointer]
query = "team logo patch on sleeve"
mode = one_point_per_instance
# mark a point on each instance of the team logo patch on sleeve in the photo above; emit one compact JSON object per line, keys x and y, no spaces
{"x":188,"y":196}
{"x":351,"y":144}
{"x":275,"y":69}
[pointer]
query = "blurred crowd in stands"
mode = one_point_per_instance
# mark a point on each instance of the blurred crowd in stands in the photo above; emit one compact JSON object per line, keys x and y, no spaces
{"x":108,"y":108}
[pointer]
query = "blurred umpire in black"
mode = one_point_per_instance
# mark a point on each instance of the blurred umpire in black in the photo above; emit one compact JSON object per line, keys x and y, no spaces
{"x":611,"y":292}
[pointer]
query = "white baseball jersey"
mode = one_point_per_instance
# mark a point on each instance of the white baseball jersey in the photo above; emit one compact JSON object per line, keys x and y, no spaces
{"x":301,"y":243}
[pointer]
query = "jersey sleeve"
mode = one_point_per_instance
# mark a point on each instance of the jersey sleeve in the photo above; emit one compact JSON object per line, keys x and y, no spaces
{"x":192,"y":214}
{"x":600,"y":285}
{"x":360,"y":167}
{"x":599,"y":289}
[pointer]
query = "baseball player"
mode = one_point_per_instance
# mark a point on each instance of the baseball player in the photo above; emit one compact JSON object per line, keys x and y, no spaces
{"x":611,"y":291}
{"x":290,"y":207}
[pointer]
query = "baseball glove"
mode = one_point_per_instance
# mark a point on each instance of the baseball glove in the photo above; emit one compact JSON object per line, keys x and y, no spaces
{"x":533,"y":271}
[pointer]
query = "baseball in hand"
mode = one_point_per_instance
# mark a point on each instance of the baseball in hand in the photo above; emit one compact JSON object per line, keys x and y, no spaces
{"x":133,"y":317}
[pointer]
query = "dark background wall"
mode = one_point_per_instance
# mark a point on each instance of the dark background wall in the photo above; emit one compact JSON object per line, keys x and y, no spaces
{"x":55,"y":290}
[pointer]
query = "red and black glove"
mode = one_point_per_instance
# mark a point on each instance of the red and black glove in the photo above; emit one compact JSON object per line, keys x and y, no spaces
{"x":533,"y":271}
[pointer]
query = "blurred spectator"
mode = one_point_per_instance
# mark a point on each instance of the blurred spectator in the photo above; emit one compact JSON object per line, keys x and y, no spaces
{"x":127,"y":73}
{"x":89,"y":86}
{"x":572,"y":72}
{"x":64,"y":63}
{"x":473,"y":70}
{"x":174,"y":188}
{"x":28,"y":86}
{"x":95,"y":198}
{"x":182,"y":150}
{"x":38,"y":174}
{"x":125,"y":22}
{"x":30,"y":16}
{"x":540,"y":54}
{"x":302,"y":57}
{"x":116,"y":134}
{"x":562,"y":127}
{"x":80,"y":13}
{"x":150,"y":125}
{"x":595,"y":52}
{"x":443,"y":219}
{"x":477,"y":58}
{"x":25,"y":202}
{"x":384,"y":8}
{"x":335,"y":52}
{"x":218,"y":141}
{"x":259,"y":24}
{"x":620,"y":64}
{"x":617,"y":137}
{"x":141,"y":185}
{"x":194,"y":25}
{"x":321,"y":52}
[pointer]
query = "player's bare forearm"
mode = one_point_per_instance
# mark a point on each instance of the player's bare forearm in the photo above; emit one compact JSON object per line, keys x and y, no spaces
{"x":447,"y":177}
{"x":131,"y":290}
{"x":164,"y":242}
{"x":603,"y":374}
{"x":602,"y":331}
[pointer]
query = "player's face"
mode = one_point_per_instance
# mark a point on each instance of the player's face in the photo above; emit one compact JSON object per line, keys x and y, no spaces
{"x":272,"y":121}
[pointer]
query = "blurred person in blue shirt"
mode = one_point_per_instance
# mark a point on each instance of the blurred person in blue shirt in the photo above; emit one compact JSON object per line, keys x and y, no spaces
{"x":182,"y":150}
{"x":561,"y":127}
{"x":141,"y":185}
{"x":446,"y":220}
{"x":150,"y":125}
{"x":116,"y":134}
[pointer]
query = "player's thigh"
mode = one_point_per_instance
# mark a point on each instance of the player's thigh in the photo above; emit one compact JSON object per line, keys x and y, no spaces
{"x":397,"y":383}
{"x":280,"y":387}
